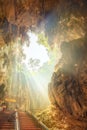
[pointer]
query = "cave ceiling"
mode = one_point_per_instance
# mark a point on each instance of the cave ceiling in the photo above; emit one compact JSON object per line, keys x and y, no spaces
{"x":67,"y":18}
{"x":25,"y":12}
{"x":16,"y":16}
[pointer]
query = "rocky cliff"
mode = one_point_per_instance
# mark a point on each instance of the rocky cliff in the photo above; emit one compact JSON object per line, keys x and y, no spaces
{"x":68,"y":90}
{"x":68,"y":87}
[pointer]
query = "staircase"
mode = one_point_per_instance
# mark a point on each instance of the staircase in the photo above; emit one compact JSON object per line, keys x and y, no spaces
{"x":28,"y":122}
{"x":4,"y":124}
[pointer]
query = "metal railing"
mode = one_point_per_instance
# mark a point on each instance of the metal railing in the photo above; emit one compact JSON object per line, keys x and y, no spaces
{"x":39,"y":122}
{"x":17,"y":126}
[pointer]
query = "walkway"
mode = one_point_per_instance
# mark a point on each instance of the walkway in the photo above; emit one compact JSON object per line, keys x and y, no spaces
{"x":28,"y":122}
{"x":4,"y":124}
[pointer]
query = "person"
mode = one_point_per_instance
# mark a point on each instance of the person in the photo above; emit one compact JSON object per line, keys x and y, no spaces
{"x":4,"y":107}
{"x":12,"y":116}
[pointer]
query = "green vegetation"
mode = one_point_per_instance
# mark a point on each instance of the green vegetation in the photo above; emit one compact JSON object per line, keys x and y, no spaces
{"x":43,"y":40}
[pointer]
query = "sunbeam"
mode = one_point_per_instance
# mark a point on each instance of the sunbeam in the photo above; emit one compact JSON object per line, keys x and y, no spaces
{"x":32,"y":69}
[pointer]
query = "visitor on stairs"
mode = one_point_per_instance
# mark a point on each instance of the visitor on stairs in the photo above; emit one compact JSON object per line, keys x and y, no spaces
{"x":12,"y":116}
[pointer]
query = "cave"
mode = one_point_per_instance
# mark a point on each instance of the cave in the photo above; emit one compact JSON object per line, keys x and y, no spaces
{"x":43,"y":67}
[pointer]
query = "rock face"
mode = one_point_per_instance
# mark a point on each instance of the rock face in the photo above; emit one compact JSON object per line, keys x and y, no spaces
{"x":67,"y":21}
{"x":68,"y":87}
{"x":62,"y":20}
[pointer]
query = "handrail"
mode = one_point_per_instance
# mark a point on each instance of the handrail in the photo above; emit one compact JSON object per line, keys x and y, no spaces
{"x":17,"y":126}
{"x":41,"y":123}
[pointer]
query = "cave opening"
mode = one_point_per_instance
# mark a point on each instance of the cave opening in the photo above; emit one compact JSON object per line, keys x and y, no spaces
{"x":30,"y":67}
{"x":43,"y":60}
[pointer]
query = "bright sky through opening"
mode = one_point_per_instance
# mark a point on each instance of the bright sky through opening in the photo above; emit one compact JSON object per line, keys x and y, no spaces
{"x":35,"y":51}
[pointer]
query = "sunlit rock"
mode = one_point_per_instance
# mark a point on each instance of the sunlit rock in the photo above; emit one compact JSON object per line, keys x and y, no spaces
{"x":68,"y":90}
{"x":68,"y":87}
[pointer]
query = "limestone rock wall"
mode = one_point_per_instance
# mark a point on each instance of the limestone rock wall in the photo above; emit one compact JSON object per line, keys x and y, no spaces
{"x":68,"y":86}
{"x":67,"y":21}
